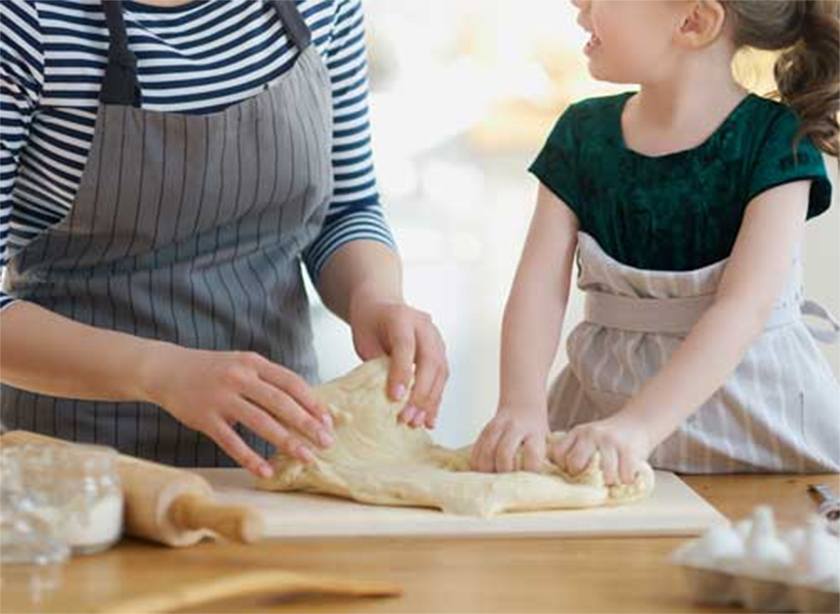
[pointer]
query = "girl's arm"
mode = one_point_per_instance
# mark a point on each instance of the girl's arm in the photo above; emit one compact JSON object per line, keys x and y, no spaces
{"x":530,"y":334}
{"x":757,"y":271}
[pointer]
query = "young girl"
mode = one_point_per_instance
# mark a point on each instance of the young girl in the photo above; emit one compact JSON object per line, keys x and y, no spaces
{"x":685,"y":202}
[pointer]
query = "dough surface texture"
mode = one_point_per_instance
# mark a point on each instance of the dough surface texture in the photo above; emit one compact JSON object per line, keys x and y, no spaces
{"x":377,"y":460}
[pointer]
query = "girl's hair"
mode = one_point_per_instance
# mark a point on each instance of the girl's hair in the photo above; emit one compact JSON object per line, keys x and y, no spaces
{"x":808,"y":69}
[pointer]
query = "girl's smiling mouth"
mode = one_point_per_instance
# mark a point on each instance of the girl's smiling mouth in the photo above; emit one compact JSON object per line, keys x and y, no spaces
{"x":593,"y":43}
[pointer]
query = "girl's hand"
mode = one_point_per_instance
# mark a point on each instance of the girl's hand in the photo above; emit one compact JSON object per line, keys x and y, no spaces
{"x":212,"y":391}
{"x":510,"y":429}
{"x":410,"y":338}
{"x":623,"y":443}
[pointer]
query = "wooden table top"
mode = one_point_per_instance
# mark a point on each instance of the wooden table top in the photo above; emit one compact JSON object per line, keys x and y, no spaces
{"x":437,"y":575}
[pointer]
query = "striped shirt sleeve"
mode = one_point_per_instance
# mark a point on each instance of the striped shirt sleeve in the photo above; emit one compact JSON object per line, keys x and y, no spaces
{"x":21,"y":82}
{"x":354,"y":212}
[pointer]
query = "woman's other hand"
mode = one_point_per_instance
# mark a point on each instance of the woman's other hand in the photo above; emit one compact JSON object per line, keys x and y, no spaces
{"x":212,"y":392}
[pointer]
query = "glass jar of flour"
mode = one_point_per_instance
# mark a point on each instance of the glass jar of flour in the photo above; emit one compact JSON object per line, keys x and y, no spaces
{"x":92,"y":518}
{"x":76,"y":490}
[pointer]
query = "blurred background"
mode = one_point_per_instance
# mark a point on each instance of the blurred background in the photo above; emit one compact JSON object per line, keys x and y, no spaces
{"x":464,"y":93}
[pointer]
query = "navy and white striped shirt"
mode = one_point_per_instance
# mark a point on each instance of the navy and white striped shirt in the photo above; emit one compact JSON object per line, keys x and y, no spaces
{"x":197,"y":57}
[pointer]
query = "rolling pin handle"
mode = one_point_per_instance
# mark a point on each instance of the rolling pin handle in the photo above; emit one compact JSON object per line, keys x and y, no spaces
{"x":194,"y":512}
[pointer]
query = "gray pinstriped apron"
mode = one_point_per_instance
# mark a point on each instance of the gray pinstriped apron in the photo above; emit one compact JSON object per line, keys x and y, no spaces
{"x":186,"y":228}
{"x":779,"y":411}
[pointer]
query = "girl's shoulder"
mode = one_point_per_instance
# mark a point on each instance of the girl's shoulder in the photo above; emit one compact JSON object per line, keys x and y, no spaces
{"x":763,"y":115}
{"x":589,"y":118}
{"x":770,"y":128}
{"x":775,"y":152}
{"x":600,"y":104}
{"x":596,"y":109}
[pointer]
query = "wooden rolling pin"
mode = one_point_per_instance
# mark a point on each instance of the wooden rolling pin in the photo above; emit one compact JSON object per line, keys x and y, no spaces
{"x":165,"y":504}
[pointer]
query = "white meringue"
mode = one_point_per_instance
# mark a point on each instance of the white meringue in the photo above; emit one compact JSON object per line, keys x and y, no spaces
{"x":765,"y":555}
{"x":717,"y":548}
{"x":795,"y":539}
{"x":743,"y":528}
{"x":817,"y":560}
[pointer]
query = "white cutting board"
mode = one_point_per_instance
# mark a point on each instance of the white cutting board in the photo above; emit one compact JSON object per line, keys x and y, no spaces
{"x":673,"y":509}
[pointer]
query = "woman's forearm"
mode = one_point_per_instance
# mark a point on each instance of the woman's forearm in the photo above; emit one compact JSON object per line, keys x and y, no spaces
{"x":44,"y":352}
{"x":358,"y":271}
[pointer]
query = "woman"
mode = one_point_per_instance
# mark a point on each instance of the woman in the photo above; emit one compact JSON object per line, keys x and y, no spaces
{"x":166,"y":167}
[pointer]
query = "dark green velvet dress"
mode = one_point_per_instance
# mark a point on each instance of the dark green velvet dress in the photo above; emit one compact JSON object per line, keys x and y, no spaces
{"x":680,"y":211}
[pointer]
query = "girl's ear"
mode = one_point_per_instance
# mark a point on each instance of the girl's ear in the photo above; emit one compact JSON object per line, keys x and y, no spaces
{"x":702,"y":23}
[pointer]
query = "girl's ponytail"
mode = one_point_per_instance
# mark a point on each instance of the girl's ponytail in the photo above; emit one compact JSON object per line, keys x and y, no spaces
{"x":808,"y":69}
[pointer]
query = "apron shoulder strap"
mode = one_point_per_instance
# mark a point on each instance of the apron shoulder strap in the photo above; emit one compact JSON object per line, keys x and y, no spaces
{"x":119,"y":85}
{"x":296,"y":28}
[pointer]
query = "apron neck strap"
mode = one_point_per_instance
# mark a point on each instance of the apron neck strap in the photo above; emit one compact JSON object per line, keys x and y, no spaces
{"x":120,"y":85}
{"x":296,"y":28}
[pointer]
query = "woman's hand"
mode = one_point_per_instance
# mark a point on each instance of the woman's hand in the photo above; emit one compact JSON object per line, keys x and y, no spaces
{"x":411,"y":339}
{"x":622,"y":441}
{"x":510,"y":429}
{"x":212,"y":391}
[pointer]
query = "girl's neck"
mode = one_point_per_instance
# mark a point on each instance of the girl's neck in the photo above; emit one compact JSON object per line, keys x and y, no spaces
{"x":681,"y":111}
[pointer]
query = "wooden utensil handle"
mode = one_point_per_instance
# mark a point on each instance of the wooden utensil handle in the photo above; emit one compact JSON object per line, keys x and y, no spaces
{"x":193,"y":512}
{"x":251,"y":583}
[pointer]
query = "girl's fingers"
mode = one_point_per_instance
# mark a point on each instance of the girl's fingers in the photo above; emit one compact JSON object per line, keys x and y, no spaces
{"x":229,"y":441}
{"x":506,"y":449}
{"x":533,"y":453}
{"x":483,"y":456}
{"x":609,"y":465}
{"x":578,"y":457}
{"x":297,"y":388}
{"x":628,"y":467}
{"x":287,"y":411}
{"x":261,"y":423}
{"x":560,"y":449}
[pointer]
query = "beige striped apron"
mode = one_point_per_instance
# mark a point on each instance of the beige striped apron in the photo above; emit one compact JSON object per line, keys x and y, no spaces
{"x":778,"y":412}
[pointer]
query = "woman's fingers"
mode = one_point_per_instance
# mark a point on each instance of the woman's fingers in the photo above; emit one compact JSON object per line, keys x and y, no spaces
{"x":437,"y":394}
{"x":295,"y":387}
{"x":261,"y":423}
{"x":229,"y":441}
{"x":430,"y":367}
{"x":425,"y":373}
{"x":402,"y":345}
{"x":288,"y":412}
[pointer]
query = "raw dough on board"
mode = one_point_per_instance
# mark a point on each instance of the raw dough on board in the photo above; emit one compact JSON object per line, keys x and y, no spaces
{"x":377,"y":460}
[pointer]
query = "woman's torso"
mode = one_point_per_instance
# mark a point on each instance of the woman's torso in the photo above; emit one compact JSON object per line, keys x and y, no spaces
{"x":194,"y":58}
